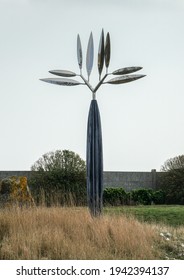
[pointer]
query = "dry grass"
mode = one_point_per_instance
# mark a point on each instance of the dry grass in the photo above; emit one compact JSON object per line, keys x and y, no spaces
{"x":71,"y":233}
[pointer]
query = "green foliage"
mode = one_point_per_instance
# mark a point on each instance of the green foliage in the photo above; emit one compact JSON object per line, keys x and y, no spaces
{"x":118,"y":196}
{"x":115,"y":196}
{"x":159,"y":197}
{"x":142,"y":196}
{"x":173,"y":185}
{"x":60,"y":174}
{"x":172,"y":181}
{"x":65,"y":160}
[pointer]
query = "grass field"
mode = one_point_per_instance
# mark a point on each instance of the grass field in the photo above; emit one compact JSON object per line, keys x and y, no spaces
{"x":71,"y":233}
{"x":169,"y":215}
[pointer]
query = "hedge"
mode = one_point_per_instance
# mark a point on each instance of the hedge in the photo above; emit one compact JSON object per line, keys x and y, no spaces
{"x":118,"y":196}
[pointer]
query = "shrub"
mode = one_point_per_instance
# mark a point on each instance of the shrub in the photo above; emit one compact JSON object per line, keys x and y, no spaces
{"x":142,"y":196}
{"x":159,"y":197}
{"x":118,"y":196}
{"x":59,"y":176}
{"x":115,"y":196}
{"x":173,"y":185}
{"x":172,"y":181}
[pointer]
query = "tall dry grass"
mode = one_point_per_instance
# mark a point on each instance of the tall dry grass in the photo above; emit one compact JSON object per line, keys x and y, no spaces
{"x":71,"y":233}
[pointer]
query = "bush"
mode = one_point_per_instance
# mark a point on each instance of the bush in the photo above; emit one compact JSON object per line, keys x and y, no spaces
{"x":118,"y":196}
{"x":59,"y":177}
{"x":142,"y":196}
{"x":172,"y":181}
{"x":159,"y":197}
{"x":58,"y":188}
{"x":115,"y":196}
{"x":173,"y":185}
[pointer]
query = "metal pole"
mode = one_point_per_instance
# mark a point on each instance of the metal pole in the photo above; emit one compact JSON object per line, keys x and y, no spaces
{"x":94,"y":160}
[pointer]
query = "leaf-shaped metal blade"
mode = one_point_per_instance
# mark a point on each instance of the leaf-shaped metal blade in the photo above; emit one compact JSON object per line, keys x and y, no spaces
{"x":126,"y":70}
{"x":90,"y":55}
{"x":107,"y":50}
{"x":101,"y":53}
{"x":125,"y":79}
{"x":63,"y":73}
{"x":61,"y":82}
{"x":79,"y":51}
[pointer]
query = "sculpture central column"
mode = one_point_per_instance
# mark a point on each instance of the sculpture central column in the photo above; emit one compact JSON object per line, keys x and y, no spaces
{"x":94,"y":160}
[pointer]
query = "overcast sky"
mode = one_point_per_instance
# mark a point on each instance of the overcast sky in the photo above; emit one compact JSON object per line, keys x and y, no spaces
{"x":142,"y":121}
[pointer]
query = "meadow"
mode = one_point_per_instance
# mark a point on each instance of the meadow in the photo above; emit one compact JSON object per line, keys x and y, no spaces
{"x":171,"y":215}
{"x":71,"y":233}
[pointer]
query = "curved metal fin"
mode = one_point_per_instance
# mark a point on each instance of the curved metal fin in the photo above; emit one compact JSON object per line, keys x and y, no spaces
{"x":61,"y":82}
{"x":79,"y":51}
{"x":63,"y":73}
{"x":125,"y":79}
{"x":101,"y":54}
{"x":107,"y":50}
{"x":90,"y":55}
{"x":126,"y":70}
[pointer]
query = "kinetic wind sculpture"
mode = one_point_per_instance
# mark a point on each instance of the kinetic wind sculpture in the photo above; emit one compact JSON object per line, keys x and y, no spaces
{"x":94,"y":159}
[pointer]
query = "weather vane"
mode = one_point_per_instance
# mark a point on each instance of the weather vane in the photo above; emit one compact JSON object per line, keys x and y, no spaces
{"x":94,"y":153}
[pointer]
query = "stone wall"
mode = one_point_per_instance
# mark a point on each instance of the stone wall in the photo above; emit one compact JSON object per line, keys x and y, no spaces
{"x":131,"y":180}
{"x":6,"y":174}
{"x":127,"y":180}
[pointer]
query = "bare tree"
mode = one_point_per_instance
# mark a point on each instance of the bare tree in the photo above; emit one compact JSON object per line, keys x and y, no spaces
{"x":60,"y":160}
{"x":173,"y":163}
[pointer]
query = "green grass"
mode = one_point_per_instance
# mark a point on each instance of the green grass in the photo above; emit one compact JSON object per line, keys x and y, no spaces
{"x":170,"y":215}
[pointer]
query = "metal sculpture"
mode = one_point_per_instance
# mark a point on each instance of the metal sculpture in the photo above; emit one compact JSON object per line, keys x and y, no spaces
{"x":94,"y":154}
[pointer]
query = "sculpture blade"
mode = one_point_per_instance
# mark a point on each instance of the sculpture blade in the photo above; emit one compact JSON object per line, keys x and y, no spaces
{"x":101,"y":53}
{"x":63,"y":73}
{"x":107,"y":50}
{"x":125,"y":79}
{"x":61,"y":82}
{"x":90,"y":55}
{"x":126,"y":70}
{"x":79,"y":51}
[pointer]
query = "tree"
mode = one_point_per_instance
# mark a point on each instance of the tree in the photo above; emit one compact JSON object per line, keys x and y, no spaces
{"x":173,"y":180}
{"x":66,"y":161}
{"x":173,"y":163}
{"x":60,"y":174}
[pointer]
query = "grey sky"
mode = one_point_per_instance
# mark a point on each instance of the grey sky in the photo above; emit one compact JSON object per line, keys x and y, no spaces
{"x":142,"y":121}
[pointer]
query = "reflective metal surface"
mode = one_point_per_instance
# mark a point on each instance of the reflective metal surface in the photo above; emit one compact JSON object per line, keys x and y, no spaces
{"x":126,"y":70}
{"x":61,"y":82}
{"x":101,"y":54}
{"x":104,"y":53}
{"x":79,"y":51}
{"x":107,"y":50}
{"x":90,"y":55}
{"x":125,"y":79}
{"x":63,"y":73}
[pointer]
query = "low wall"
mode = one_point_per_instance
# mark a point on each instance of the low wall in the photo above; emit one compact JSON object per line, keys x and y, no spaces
{"x":5,"y":174}
{"x":127,"y":180}
{"x":131,"y":180}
